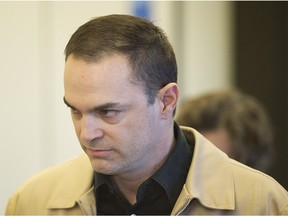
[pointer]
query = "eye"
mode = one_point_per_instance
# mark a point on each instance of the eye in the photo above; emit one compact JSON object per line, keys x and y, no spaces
{"x":75,"y":112}
{"x":111,"y":116}
{"x":109,"y":113}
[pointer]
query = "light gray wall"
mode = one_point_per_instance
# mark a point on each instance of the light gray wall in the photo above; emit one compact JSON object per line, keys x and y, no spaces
{"x":207,"y":47}
{"x":35,"y":126}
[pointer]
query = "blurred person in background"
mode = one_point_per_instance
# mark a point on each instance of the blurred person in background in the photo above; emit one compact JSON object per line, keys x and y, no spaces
{"x":235,"y":122}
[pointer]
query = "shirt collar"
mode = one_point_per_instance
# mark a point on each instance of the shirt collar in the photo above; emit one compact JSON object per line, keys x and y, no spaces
{"x":172,"y":175}
{"x":100,"y":179}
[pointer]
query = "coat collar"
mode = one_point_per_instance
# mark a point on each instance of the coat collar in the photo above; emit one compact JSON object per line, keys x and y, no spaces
{"x":210,"y":178}
{"x":75,"y":181}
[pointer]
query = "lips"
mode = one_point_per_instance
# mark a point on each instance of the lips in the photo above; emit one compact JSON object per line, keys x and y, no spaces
{"x":101,"y":153}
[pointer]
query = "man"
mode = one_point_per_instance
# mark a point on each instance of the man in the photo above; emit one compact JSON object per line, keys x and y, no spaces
{"x":120,"y":83}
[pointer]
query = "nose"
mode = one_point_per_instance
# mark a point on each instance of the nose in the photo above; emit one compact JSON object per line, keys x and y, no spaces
{"x":91,"y":129}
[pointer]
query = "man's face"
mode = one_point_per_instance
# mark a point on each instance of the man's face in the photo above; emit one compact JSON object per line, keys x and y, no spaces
{"x":116,"y":127}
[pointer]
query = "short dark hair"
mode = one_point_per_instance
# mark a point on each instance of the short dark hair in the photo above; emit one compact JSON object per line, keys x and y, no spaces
{"x":146,"y":46}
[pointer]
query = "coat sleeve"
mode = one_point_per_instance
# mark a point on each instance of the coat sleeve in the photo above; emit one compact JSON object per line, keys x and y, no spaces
{"x":11,"y":206}
{"x":274,"y":197}
{"x":285,"y":212}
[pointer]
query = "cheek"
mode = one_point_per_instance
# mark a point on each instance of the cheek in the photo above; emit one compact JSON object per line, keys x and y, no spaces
{"x":130,"y":134}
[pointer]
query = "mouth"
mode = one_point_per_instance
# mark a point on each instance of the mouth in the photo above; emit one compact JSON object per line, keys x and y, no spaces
{"x":99,"y":153}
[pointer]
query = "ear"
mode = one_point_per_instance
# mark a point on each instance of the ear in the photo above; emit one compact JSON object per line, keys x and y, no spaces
{"x":168,"y":96}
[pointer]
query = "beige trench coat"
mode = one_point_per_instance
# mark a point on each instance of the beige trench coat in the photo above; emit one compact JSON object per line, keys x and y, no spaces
{"x":215,"y":185}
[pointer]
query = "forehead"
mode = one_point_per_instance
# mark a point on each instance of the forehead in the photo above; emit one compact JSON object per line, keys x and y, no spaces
{"x":110,"y":62}
{"x":106,"y":80}
{"x":108,"y":71}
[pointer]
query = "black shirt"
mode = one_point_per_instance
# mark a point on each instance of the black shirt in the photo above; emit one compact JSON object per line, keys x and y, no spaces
{"x":155,"y":196}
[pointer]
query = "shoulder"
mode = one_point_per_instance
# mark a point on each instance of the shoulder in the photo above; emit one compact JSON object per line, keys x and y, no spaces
{"x":68,"y":169}
{"x":256,"y":178}
{"x":253,"y":187}
{"x":232,"y":179}
{"x":53,"y":185}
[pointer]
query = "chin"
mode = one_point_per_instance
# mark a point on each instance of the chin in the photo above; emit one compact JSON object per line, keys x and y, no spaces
{"x":101,"y":167}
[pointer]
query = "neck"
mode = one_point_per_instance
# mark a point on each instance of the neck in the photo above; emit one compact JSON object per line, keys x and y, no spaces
{"x":129,"y":183}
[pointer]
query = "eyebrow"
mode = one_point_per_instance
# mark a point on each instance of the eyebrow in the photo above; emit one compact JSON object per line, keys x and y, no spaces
{"x":100,"y":107}
{"x":68,"y":104}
